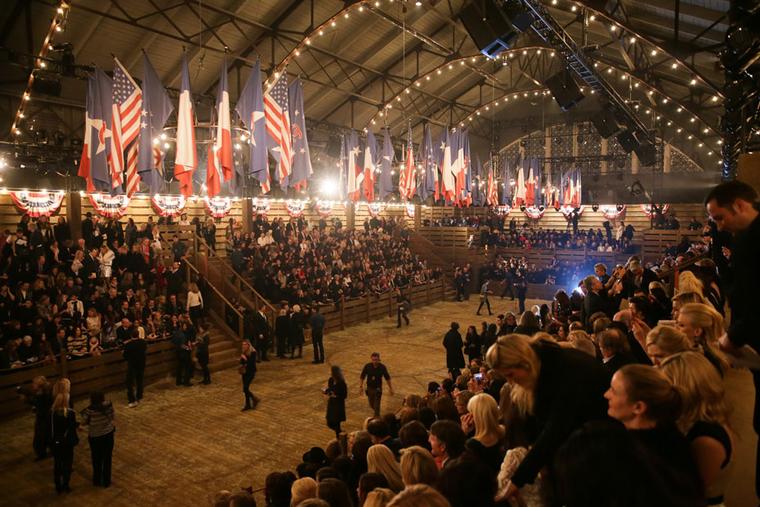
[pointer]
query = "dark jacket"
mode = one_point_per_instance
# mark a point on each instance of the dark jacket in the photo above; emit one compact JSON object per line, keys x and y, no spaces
{"x":453,"y":344}
{"x":63,"y":429}
{"x":134,"y":353}
{"x":336,"y":403}
{"x":569,"y":392}
{"x":742,"y":293}
{"x":249,"y":363}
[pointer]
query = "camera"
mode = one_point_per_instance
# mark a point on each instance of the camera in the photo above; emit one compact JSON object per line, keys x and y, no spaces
{"x":479,"y":377}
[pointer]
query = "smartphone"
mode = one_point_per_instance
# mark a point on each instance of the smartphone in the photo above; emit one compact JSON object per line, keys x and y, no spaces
{"x":478,"y":377}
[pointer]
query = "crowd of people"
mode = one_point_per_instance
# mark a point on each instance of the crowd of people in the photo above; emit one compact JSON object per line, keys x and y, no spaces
{"x":320,"y":264}
{"x":612,"y":396}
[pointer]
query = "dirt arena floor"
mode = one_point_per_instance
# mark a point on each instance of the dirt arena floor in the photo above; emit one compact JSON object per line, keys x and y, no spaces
{"x":182,"y":444}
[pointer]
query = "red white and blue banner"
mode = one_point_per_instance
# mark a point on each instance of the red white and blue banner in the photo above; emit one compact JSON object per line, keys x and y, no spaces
{"x":502,"y":210}
{"x":260,"y":206}
{"x":218,"y":207}
{"x":534,"y":212}
{"x":168,"y":205}
{"x":409,"y":210}
{"x":37,"y":204}
{"x":647,"y":209}
{"x":324,"y":208}
{"x":567,"y":210}
{"x":613,"y":212}
{"x":109,"y":206}
{"x":375,"y":208}
{"x":295,"y":208}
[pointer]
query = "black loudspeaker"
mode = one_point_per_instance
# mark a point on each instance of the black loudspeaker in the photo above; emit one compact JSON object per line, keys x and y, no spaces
{"x":333,"y":147}
{"x":47,"y":86}
{"x":647,"y":153}
{"x":627,"y":140}
{"x":606,"y":123}
{"x":564,"y":89}
{"x":489,"y":27}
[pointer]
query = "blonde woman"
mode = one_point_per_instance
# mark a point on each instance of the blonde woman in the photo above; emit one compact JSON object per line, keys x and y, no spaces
{"x":418,"y":466}
{"x":380,"y":460}
{"x":302,"y":489}
{"x":580,"y":340}
{"x":688,"y":282}
{"x":63,"y":432}
{"x":684,"y":298}
{"x":703,"y":325}
{"x":194,"y":303}
{"x":484,"y":418}
{"x":704,"y":419}
{"x":572,"y":386}
{"x":420,"y":495}
{"x":378,"y":497}
{"x":664,"y":341}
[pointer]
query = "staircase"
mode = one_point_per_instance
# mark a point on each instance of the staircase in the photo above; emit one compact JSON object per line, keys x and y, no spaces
{"x":420,"y":245}
{"x":224,"y":352}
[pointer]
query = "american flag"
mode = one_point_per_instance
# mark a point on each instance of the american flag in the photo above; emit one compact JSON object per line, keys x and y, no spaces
{"x":278,"y":124}
{"x":127,"y":107}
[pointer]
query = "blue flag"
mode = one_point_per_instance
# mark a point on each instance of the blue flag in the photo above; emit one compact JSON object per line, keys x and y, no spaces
{"x":506,"y":181}
{"x":102,"y":101}
{"x":477,"y":189}
{"x":386,"y":166}
{"x":342,"y":169}
{"x":301,"y":169}
{"x":156,"y":108}
{"x":250,"y":107}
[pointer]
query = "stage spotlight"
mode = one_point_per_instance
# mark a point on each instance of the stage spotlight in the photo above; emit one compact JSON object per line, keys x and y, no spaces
{"x":329,"y":188}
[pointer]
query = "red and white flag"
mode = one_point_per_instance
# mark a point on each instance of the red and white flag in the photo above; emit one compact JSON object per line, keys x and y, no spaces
{"x":278,"y":126}
{"x":408,"y":179}
{"x":530,"y":189}
{"x":125,"y":127}
{"x":223,"y":144}
{"x":493,"y":193}
{"x":186,"y":158}
{"x":520,"y":188}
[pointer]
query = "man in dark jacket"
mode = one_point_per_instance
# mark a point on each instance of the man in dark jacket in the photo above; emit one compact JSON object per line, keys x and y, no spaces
{"x":637,"y":279}
{"x":134,"y":353}
{"x":317,"y":324}
{"x":262,"y":334}
{"x":733,"y":208}
{"x":594,"y":301}
{"x":452,"y":342}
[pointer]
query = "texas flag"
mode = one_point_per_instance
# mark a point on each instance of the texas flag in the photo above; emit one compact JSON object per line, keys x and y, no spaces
{"x":186,"y":158}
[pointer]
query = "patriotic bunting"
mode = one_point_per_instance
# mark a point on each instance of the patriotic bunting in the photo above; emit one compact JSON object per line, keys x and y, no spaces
{"x":324,"y":208}
{"x":295,"y":208}
{"x":260,"y":206}
{"x":37,"y":204}
{"x":169,"y":205}
{"x":218,"y":207}
{"x":109,"y":206}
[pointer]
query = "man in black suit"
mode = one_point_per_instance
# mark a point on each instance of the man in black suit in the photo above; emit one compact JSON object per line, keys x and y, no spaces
{"x":733,"y":206}
{"x":594,"y":301}
{"x":262,"y":334}
{"x":317,"y":324}
{"x":134,"y":352}
{"x":87,"y":228}
{"x":637,"y":279}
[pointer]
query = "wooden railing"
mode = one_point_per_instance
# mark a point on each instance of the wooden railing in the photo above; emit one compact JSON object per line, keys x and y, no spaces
{"x":657,"y":240}
{"x":223,"y":307}
{"x":102,"y":372}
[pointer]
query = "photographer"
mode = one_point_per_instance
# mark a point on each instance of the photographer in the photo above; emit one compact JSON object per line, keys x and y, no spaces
{"x":39,"y":396}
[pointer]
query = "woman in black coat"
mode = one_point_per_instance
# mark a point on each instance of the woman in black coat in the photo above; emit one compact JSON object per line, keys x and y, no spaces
{"x":336,"y":392}
{"x":247,"y":370}
{"x":472,"y":344}
{"x":63,"y":439}
{"x":452,"y":342}
{"x":554,"y":392}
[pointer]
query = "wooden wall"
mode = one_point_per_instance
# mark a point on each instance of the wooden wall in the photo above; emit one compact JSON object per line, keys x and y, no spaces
{"x":10,"y":215}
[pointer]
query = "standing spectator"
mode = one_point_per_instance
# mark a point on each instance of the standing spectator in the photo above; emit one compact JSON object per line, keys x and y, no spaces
{"x":201,"y":353}
{"x":447,"y":441}
{"x":296,"y":335}
{"x":135,"y":350}
{"x":282,"y":325}
{"x":87,"y":229}
{"x":521,"y":288}
{"x":194,"y":303}
{"x":452,"y":342}
{"x":39,"y":396}
{"x":473,"y":344}
{"x":559,"y":388}
{"x":484,"y":292}
{"x":732,"y":206}
{"x":62,"y":231}
{"x":209,"y":234}
{"x":262,"y":333}
{"x":247,"y":371}
{"x":374,"y":372}
{"x":336,"y":392}
{"x":99,"y":417}
{"x":63,"y":437}
{"x":317,"y":324}
{"x":403,"y":306}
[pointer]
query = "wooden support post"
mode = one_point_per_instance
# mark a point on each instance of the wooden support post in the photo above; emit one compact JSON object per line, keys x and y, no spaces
{"x":247,"y":214}
{"x":350,"y":215}
{"x":417,"y":217}
{"x":367,"y":306}
{"x":342,"y":312}
{"x":74,"y":214}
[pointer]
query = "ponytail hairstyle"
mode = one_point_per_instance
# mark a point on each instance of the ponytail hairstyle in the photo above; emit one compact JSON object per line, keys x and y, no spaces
{"x":515,"y":351}
{"x":650,"y":386}
{"x":706,"y":318}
